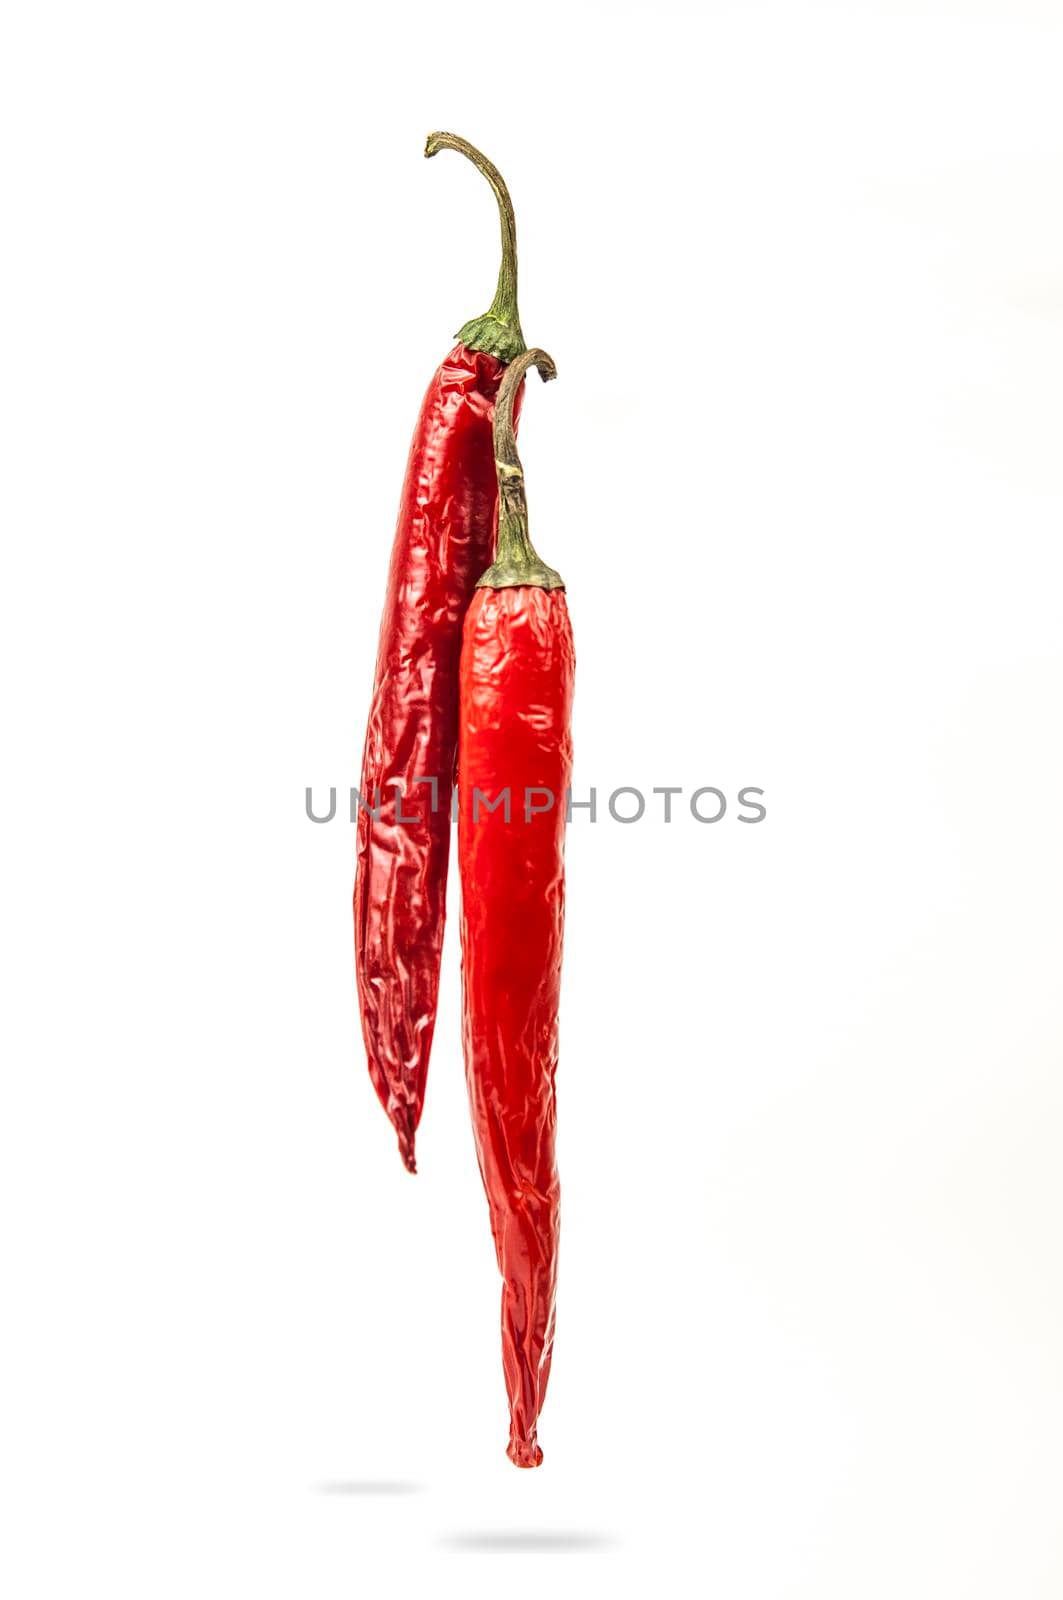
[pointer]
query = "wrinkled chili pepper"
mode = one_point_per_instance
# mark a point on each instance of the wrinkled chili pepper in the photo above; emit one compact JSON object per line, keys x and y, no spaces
{"x":443,"y":541}
{"x":517,"y":671}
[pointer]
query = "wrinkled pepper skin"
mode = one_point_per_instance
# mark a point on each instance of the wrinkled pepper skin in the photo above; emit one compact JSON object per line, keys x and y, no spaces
{"x":517,"y":675}
{"x":443,"y":542}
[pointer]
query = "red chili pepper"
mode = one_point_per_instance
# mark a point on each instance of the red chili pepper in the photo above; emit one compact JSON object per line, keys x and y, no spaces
{"x":517,"y":669}
{"x":443,"y":540}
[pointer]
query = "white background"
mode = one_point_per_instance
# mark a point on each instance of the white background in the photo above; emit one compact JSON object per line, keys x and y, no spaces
{"x":801,"y":268}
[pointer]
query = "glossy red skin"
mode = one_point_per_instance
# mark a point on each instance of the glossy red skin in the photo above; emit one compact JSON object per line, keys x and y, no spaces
{"x":517,"y":672}
{"x":443,"y":543}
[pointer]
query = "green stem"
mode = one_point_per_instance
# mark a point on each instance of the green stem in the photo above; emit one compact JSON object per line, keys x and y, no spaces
{"x":518,"y":564}
{"x":498,"y":331}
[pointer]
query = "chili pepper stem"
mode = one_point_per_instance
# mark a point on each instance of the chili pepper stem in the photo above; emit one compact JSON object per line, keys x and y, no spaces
{"x":498,"y":331}
{"x":517,"y":562}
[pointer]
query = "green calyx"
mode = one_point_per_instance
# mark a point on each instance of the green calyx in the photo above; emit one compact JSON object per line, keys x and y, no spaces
{"x":517,"y":564}
{"x":494,"y":337}
{"x":498,"y":331}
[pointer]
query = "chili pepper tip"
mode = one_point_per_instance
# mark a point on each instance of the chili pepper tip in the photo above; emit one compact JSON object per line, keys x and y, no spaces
{"x":405,"y":1127}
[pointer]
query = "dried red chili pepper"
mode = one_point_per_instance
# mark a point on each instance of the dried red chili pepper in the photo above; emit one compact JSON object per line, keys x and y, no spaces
{"x":443,"y":541}
{"x":517,"y":671}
